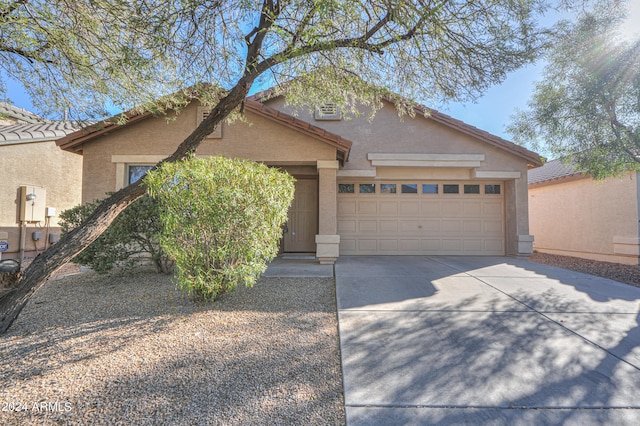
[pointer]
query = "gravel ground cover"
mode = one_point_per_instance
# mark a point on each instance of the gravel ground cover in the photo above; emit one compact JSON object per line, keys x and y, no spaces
{"x":629,"y":274}
{"x":130,"y":349}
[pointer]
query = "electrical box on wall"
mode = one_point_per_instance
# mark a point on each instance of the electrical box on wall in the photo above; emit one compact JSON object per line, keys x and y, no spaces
{"x":33,"y":200}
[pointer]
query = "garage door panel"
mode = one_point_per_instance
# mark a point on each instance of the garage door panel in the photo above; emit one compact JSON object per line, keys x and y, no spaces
{"x":368,"y":226}
{"x":388,"y":226}
{"x":451,"y":245}
{"x":409,"y":208}
{"x":450,"y":226}
{"x":410,"y":226}
{"x":412,"y":245}
{"x":450,"y":208}
{"x":494,"y":246}
{"x":430,"y":245}
{"x":347,"y":207}
{"x":368,"y":245}
{"x":492,"y":226}
{"x":388,"y":208}
{"x":492,"y":208}
{"x":388,"y":245}
{"x":348,"y":245}
{"x":431,"y":226}
{"x":473,"y":246}
{"x":421,"y":223}
{"x":368,"y":207}
{"x":430,"y":208}
{"x":472,"y":226}
{"x":346,"y":226}
{"x":472,"y":208}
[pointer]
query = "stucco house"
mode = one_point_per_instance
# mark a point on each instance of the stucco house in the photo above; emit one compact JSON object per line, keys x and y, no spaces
{"x":388,"y":186}
{"x":574,"y":215}
{"x":39,"y":180}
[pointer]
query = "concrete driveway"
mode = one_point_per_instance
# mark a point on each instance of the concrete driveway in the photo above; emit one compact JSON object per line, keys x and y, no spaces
{"x":485,"y":340}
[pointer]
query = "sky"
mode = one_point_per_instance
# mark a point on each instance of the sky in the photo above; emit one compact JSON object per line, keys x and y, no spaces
{"x":491,"y":112}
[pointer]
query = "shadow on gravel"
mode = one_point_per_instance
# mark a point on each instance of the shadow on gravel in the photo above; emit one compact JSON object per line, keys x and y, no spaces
{"x":132,"y":349}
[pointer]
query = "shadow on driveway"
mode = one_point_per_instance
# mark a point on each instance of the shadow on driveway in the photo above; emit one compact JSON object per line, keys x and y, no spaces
{"x":476,"y":340}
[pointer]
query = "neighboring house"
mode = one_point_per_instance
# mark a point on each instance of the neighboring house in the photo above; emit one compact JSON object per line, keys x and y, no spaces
{"x":574,"y":215}
{"x":38,"y":180}
{"x":423,"y":185}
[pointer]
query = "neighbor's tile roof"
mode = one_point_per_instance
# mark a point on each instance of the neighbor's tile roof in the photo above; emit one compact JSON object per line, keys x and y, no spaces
{"x":555,"y":169}
{"x":19,"y":114}
{"x":36,"y":132}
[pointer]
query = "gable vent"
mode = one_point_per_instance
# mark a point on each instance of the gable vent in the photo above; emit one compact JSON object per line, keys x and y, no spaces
{"x":203,"y":113}
{"x":327,"y":111}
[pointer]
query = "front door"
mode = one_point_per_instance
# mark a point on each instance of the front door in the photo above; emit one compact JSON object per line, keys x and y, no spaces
{"x":302,"y":226}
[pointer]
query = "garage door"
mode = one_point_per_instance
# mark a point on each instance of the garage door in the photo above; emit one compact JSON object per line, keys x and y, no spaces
{"x":431,"y":218}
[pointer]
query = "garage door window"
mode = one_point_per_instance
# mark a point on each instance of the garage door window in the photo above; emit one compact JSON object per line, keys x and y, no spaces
{"x":429,"y":188}
{"x":346,"y":188}
{"x":387,"y":188}
{"x":472,"y":189}
{"x":450,"y":189}
{"x":492,"y":189}
{"x":409,"y":188}
{"x":367,"y":188}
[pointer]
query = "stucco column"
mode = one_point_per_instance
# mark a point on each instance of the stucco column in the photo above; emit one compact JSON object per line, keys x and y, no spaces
{"x":327,"y":240}
{"x":519,"y":242}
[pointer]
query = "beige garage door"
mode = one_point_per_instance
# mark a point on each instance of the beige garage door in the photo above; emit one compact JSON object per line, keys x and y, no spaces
{"x":453,"y":218}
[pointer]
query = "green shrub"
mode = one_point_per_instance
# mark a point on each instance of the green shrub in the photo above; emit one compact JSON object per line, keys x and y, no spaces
{"x":131,"y":239}
{"x":222,"y":220}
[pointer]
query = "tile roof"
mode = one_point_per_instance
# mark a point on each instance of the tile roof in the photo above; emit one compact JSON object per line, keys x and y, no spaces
{"x":36,"y":132}
{"x":7,"y":110}
{"x":555,"y":169}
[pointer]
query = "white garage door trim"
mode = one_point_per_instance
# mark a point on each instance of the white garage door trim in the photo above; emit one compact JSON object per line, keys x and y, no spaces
{"x":407,"y":218}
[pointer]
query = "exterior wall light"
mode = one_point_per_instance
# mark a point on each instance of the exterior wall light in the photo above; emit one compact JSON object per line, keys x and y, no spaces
{"x":31,"y":197}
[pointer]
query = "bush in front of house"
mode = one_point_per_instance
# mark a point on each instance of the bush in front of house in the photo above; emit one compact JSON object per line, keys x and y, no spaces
{"x":130,"y":240}
{"x":222,"y":220}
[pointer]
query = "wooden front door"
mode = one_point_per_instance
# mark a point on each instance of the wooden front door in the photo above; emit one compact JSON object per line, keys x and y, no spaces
{"x":302,"y":226}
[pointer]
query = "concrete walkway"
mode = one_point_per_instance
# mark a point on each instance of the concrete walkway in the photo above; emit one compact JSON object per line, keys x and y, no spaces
{"x":477,"y":340}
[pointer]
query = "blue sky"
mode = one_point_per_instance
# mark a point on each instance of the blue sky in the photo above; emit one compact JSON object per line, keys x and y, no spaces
{"x":491,"y":112}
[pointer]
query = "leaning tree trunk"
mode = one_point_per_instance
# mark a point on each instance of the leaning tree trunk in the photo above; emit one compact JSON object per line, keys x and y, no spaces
{"x":47,"y":263}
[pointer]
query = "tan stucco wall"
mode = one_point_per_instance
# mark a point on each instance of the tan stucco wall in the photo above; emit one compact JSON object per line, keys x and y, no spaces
{"x":38,"y":164}
{"x":258,"y":139}
{"x":589,"y":219}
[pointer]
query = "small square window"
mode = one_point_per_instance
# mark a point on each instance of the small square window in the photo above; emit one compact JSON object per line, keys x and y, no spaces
{"x":450,"y":189}
{"x":492,"y":189}
{"x":137,"y":172}
{"x":387,"y":188}
{"x":367,"y":188}
{"x":409,"y":188}
{"x":346,"y":188}
{"x":429,"y":188}
{"x":472,"y":189}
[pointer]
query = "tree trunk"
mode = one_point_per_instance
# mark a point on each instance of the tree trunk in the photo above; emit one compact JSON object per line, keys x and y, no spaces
{"x":45,"y":264}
